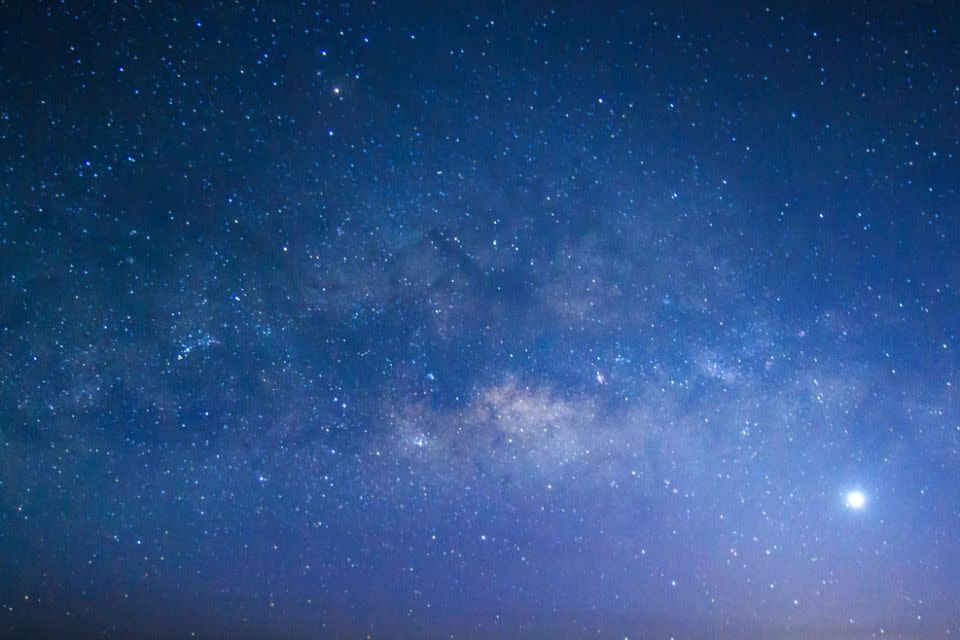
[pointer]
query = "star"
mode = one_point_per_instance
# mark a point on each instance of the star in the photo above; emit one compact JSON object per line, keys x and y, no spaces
{"x":856,"y":500}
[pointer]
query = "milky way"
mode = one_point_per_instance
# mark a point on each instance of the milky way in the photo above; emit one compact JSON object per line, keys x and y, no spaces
{"x":495,"y":321}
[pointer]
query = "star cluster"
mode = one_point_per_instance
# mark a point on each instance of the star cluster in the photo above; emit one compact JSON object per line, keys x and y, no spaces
{"x":489,"y":320}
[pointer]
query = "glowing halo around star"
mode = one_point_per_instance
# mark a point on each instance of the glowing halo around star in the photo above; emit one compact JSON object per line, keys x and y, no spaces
{"x":856,"y":499}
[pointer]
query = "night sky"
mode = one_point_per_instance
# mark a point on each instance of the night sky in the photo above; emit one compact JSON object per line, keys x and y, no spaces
{"x":479,"y":320}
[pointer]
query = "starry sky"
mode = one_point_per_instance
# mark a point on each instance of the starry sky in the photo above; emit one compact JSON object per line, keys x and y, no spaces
{"x":479,"y":320}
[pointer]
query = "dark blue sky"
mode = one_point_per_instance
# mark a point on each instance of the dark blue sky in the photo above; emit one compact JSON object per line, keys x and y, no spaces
{"x":508,"y":320}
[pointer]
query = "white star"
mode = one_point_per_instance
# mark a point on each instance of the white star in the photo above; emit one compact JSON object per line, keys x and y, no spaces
{"x":856,"y":500}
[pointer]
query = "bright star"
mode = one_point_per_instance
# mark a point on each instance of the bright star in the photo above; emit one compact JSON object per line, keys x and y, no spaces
{"x":856,"y":500}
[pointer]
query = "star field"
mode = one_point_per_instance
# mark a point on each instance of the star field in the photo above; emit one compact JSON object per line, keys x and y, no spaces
{"x":479,"y":320}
